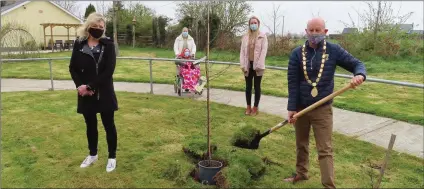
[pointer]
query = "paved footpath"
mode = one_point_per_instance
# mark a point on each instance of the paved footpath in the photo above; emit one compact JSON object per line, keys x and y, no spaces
{"x":370,"y":128}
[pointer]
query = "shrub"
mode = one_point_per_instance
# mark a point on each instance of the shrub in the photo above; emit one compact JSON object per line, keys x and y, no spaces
{"x":391,"y":44}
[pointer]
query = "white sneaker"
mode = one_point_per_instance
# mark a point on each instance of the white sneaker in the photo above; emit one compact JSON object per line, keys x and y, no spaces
{"x":88,"y":161}
{"x":111,"y":165}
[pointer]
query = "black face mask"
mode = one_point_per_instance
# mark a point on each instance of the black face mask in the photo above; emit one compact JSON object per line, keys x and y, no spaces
{"x":95,"y":32}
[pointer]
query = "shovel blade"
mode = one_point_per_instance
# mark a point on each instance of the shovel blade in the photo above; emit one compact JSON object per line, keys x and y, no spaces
{"x":254,"y":144}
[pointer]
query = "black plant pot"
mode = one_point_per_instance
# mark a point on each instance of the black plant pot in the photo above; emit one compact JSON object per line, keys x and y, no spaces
{"x":207,"y":170}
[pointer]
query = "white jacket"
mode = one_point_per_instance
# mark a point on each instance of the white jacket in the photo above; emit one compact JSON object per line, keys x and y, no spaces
{"x":179,"y":43}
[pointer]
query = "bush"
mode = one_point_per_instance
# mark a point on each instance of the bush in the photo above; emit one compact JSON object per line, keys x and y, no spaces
{"x":283,"y":46}
{"x":390,"y":44}
{"x":228,"y":42}
{"x":30,"y":46}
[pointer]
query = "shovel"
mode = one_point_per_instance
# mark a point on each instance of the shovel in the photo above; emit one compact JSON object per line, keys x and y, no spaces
{"x":255,"y":142}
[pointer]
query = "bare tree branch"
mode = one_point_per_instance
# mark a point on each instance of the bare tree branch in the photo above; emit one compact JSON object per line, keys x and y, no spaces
{"x":103,"y":7}
{"x":380,"y":17}
{"x":70,"y":6}
{"x":275,"y":17}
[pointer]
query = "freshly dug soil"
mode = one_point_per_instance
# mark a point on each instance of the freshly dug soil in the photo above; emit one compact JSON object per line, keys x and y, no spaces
{"x":195,"y":174}
{"x":221,"y":181}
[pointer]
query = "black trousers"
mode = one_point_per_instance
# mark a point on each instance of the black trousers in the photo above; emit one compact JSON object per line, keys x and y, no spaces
{"x":93,"y":135}
{"x":251,"y":79}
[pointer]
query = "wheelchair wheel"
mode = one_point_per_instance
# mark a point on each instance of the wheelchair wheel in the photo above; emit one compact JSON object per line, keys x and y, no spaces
{"x":180,"y":86}
{"x":175,"y":84}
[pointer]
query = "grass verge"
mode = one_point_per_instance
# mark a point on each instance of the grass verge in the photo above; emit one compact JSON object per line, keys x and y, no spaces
{"x":43,"y":143}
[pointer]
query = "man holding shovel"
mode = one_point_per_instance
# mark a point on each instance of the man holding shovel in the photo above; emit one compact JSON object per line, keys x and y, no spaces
{"x":310,"y":76}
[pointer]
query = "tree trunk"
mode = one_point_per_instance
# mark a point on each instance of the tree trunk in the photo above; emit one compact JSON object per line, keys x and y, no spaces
{"x":275,"y":32}
{"x":115,"y":30}
{"x":377,"y":22}
{"x":282,"y":31}
{"x":208,"y":93}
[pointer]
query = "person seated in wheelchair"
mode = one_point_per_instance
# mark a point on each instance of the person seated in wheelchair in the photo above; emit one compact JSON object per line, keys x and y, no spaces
{"x":188,"y":71}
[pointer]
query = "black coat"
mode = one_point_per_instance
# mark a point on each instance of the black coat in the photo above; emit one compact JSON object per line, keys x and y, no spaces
{"x":84,"y":72}
{"x":300,"y":90}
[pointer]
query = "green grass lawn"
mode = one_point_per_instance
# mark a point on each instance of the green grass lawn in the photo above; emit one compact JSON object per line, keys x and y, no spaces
{"x":43,"y":143}
{"x":400,"y":103}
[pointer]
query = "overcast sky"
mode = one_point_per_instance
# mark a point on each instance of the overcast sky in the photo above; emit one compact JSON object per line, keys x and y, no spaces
{"x":297,"y":13}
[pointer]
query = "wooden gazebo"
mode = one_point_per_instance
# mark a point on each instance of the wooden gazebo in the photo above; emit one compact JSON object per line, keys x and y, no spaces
{"x":52,"y":25}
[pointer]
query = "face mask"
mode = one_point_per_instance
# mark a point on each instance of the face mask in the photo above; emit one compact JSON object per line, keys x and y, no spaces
{"x":185,"y":34}
{"x":316,"y":38}
{"x":95,"y":32}
{"x":186,"y":53}
{"x":253,"y":27}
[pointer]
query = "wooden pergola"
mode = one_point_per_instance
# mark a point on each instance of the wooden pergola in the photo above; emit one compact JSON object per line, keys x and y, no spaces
{"x":52,"y":25}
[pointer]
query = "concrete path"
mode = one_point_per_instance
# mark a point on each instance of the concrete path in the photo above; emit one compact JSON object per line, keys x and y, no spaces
{"x":365,"y":127}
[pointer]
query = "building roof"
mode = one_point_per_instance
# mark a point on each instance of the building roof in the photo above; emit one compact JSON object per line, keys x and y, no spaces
{"x":350,"y":30}
{"x":12,"y":5}
{"x":417,"y":32}
{"x":404,"y":27}
{"x":17,"y":4}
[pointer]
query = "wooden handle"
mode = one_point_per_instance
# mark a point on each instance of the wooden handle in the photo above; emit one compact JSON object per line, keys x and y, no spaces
{"x":322,"y":101}
{"x":279,"y":125}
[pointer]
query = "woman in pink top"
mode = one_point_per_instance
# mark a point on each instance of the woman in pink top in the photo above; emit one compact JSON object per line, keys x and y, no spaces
{"x":253,"y":51}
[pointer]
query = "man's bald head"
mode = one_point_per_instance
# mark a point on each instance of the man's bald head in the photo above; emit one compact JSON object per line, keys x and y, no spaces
{"x":316,"y":22}
{"x":316,"y":26}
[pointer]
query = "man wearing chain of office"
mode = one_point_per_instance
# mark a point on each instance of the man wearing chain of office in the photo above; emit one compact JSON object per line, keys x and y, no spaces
{"x":310,"y":77}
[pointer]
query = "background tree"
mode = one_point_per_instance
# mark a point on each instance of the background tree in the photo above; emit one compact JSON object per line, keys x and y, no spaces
{"x":162,"y":23}
{"x":155,"y":35}
{"x":380,"y":16}
{"x":226,"y":17}
{"x":233,"y":14}
{"x":275,"y":18}
{"x":90,"y":9}
{"x":70,"y":6}
{"x":115,"y":9}
{"x":102,"y":7}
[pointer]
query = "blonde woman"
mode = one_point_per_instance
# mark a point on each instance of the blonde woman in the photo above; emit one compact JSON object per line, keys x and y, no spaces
{"x":184,"y":41}
{"x":253,"y":51}
{"x":92,"y":65}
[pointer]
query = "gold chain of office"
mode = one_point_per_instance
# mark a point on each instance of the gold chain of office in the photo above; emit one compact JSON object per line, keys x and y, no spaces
{"x":314,"y":91}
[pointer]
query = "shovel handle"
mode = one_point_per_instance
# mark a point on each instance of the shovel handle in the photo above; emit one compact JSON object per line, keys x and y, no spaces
{"x":279,"y":125}
{"x":306,"y":110}
{"x":322,"y":101}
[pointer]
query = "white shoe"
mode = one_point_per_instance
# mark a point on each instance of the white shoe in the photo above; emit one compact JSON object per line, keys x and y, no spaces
{"x":111,"y":165}
{"x":88,"y":161}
